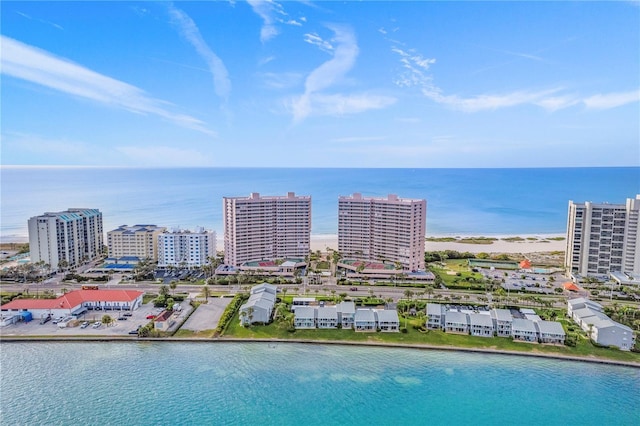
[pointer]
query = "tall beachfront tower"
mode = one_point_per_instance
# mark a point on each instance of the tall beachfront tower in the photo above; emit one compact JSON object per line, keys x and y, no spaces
{"x":266,"y":227}
{"x":603,"y":238}
{"x":383,"y":229}
{"x":186,"y":249}
{"x":138,"y":240}
{"x":73,"y":236}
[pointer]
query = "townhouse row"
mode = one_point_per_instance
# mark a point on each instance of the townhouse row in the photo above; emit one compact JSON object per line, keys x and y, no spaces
{"x":345,"y":315}
{"x":527,"y":327}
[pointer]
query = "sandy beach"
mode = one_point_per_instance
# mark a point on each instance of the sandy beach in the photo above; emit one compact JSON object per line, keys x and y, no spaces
{"x":321,"y":242}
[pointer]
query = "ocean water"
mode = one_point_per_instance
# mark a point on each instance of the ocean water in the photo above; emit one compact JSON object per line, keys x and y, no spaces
{"x":459,"y":201}
{"x":292,"y":384}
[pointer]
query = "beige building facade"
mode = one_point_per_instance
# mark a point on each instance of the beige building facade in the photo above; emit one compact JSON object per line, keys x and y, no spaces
{"x":138,"y":240}
{"x":72,"y":237}
{"x":390,"y":229}
{"x":603,"y":238}
{"x":266,"y":227}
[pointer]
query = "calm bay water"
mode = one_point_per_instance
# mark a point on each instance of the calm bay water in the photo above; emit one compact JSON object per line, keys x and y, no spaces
{"x":459,"y":201}
{"x":287,"y":384}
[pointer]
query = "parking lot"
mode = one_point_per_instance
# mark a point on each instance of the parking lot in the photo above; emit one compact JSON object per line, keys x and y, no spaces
{"x":207,"y":316}
{"x":119,"y":327}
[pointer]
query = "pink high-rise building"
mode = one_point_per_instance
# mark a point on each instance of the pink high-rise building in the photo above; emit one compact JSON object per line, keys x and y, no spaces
{"x":266,"y":227}
{"x":390,"y":229}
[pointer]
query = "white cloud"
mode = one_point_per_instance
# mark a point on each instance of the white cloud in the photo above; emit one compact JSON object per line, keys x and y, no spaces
{"x":338,"y":104}
{"x":37,"y":66}
{"x":496,"y":101}
{"x":31,"y":18}
{"x":191,"y":33}
{"x":612,"y":100}
{"x":164,"y":156}
{"x":279,"y":81}
{"x":272,"y":13}
{"x":344,"y":57}
{"x":414,"y":74}
{"x":316,"y":40}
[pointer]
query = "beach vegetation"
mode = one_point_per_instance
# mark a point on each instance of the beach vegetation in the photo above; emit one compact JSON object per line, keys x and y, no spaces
{"x":513,"y":239}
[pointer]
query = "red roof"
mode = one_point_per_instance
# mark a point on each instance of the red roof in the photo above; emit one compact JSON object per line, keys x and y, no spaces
{"x":525,"y":264}
{"x":74,"y":298}
{"x":571,"y":286}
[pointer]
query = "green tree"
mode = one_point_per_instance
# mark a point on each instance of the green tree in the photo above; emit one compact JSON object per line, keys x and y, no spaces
{"x":164,"y":291}
{"x":106,"y":319}
{"x":206,"y":291}
{"x":173,"y":286}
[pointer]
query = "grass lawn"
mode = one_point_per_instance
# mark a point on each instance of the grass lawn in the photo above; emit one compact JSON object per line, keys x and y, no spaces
{"x":458,"y":266}
{"x":583,"y":349}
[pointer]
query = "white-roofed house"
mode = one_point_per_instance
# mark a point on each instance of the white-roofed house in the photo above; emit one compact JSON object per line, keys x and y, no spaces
{"x":435,"y":316}
{"x":607,"y":332}
{"x":346,"y":314}
{"x":551,"y":332}
{"x":387,"y":319}
{"x":524,"y":330}
{"x":305,"y":317}
{"x":585,"y":316}
{"x":327,"y":317}
{"x":502,"y":320}
{"x":481,"y":325}
{"x":456,"y":322}
{"x":581,"y":303}
{"x":268,"y":288}
{"x":259,"y":307}
{"x":365,"y":320}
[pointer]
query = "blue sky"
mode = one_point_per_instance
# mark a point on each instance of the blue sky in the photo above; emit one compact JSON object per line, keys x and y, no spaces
{"x":321,"y":84}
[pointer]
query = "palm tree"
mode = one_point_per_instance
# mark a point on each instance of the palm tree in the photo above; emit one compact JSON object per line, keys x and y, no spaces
{"x":205,"y":291}
{"x":173,"y":286}
{"x":106,"y":320}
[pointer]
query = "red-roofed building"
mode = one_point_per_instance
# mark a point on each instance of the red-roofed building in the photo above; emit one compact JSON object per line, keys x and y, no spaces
{"x":525,"y":264}
{"x":76,"y":302}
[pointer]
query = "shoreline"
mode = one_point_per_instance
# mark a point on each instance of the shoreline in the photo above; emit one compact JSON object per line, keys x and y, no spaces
{"x":594,"y":360}
{"x":542,"y":243}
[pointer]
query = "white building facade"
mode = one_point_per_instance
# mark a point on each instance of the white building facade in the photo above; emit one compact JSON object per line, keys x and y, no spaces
{"x":266,"y":227}
{"x":186,"y":249}
{"x":602,"y":238}
{"x":383,"y":229}
{"x":73,"y":236}
{"x":138,"y":240}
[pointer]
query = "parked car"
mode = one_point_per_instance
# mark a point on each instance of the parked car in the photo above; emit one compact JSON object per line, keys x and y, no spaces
{"x":96,"y":324}
{"x":354,"y":289}
{"x":127,"y":314}
{"x":122,"y":318}
{"x":151,"y":316}
{"x":45,"y":319}
{"x":57,"y":320}
{"x":84,"y":324}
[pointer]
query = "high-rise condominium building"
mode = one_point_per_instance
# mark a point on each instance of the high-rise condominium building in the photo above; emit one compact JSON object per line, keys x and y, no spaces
{"x":603,"y":238}
{"x":186,"y":249}
{"x":383,"y":229}
{"x":266,"y":227}
{"x":138,"y":240}
{"x":73,"y":237}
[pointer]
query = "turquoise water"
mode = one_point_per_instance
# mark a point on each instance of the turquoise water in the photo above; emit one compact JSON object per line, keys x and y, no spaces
{"x":459,"y":201}
{"x":293,"y":384}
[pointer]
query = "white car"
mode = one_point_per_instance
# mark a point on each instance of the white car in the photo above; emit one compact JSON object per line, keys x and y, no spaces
{"x":96,"y":324}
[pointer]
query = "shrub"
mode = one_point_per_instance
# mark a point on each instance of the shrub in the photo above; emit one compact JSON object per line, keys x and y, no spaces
{"x":230,"y":311}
